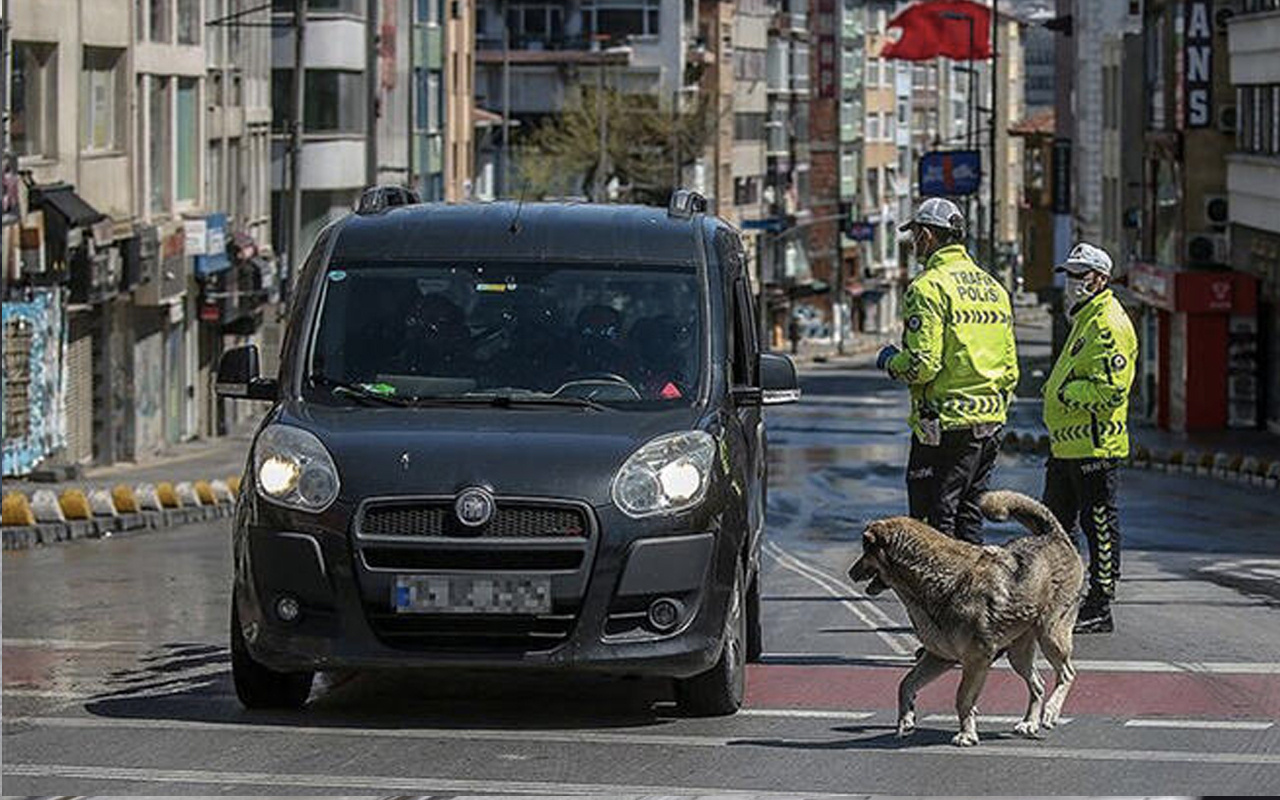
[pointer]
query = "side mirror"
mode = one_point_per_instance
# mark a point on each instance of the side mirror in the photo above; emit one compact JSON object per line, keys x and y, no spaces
{"x":779,"y":381}
{"x":238,"y":376}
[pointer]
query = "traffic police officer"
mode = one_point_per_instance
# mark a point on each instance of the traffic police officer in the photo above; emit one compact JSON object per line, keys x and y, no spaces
{"x":1086,"y":406}
{"x":959,"y":359}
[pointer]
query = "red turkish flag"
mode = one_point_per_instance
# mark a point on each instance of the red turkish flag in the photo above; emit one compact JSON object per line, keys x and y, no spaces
{"x":935,"y":28}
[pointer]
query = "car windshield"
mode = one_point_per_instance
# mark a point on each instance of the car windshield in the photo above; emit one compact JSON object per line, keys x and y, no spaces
{"x":621,"y":337}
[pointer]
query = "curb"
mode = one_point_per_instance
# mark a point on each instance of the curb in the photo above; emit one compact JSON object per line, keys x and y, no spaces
{"x":112,"y":510}
{"x":1235,"y":467}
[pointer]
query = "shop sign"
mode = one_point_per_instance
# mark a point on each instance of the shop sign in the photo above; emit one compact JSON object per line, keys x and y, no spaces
{"x":1198,"y":63}
{"x":197,"y":232}
{"x":212,"y":257}
{"x":1152,"y":285}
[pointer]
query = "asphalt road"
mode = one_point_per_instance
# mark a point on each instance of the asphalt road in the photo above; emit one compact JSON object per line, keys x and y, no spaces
{"x":116,"y":669}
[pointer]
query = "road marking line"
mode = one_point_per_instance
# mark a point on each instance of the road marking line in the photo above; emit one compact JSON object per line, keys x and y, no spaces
{"x":1200,"y":724}
{"x":787,"y":562}
{"x":1000,"y":750}
{"x":999,"y":719}
{"x":805,"y":713}
{"x":1092,"y":665}
{"x":68,"y":644}
{"x":378,"y":782}
{"x":839,"y":581}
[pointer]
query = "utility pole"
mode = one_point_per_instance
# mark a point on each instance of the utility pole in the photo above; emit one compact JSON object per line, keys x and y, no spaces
{"x":506,"y":104}
{"x":602,"y":128}
{"x":295,"y":143}
{"x":995,"y":61}
{"x":371,"y":95}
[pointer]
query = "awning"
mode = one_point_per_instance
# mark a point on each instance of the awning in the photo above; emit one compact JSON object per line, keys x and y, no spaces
{"x":62,"y":199}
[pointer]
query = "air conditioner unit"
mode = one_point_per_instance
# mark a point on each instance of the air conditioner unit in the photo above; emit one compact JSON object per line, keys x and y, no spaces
{"x":1227,"y":118}
{"x":1215,"y":210}
{"x":1208,"y":248}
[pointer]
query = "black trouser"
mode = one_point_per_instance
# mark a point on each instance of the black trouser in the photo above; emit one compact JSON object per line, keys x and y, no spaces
{"x":1085,"y":489}
{"x":945,"y":481}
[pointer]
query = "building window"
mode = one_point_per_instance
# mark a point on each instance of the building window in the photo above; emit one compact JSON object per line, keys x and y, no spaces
{"x":873,"y":187}
{"x":158,"y":21}
{"x":188,"y":141}
{"x":748,"y":127}
{"x":331,"y":6}
{"x":35,"y":107}
{"x":748,"y":65}
{"x":158,"y":138}
{"x":873,"y":126}
{"x":189,"y":22}
{"x":616,"y":20}
{"x":430,"y":101}
{"x":429,"y":11}
{"x":746,"y":191}
{"x":1258,"y":119}
{"x":335,"y":102}
{"x":101,"y":94}
{"x":535,"y":23}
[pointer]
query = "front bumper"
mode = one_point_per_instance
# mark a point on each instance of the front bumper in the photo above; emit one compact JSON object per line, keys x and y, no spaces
{"x":601,"y":585}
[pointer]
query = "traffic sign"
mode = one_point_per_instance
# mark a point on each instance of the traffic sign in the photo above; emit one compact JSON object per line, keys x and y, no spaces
{"x":860,"y":231}
{"x":771,"y":224}
{"x":950,"y":173}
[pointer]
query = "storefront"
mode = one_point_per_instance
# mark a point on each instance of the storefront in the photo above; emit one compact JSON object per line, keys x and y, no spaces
{"x":1257,"y":252}
{"x":1198,"y":337}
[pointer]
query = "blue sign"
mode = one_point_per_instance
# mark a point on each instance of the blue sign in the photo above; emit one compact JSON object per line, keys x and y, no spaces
{"x":772,"y":224}
{"x":212,"y":257}
{"x":949,"y":173}
{"x":860,"y":231}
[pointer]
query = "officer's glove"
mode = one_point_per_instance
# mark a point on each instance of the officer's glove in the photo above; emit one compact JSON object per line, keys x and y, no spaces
{"x":886,"y":353}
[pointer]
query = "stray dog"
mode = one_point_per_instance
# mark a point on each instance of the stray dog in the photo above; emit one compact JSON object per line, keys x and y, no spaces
{"x":968,"y":603}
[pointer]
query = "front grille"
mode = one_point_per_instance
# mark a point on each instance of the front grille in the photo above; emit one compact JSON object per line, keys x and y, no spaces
{"x":486,"y":560}
{"x":424,"y":535}
{"x":437,"y":518}
{"x":471,"y":633}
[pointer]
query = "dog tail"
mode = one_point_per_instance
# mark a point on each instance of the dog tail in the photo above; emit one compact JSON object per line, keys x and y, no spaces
{"x":1001,"y":505}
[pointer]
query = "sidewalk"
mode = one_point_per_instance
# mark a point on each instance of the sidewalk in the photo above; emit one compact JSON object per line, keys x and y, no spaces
{"x":189,"y":482}
{"x":1225,"y":453}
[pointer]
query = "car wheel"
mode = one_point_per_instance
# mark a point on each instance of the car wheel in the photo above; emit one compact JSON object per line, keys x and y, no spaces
{"x":755,"y":630}
{"x":258,"y":686}
{"x":719,"y":690}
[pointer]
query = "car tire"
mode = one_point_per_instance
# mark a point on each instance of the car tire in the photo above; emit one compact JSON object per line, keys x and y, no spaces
{"x":258,"y":686}
{"x":755,"y":629}
{"x":720,"y":690}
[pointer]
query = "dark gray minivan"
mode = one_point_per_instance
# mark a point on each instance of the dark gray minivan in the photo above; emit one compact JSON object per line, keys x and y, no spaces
{"x":516,"y":436}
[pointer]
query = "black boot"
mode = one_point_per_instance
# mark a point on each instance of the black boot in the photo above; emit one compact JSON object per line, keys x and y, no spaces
{"x":1095,"y":615}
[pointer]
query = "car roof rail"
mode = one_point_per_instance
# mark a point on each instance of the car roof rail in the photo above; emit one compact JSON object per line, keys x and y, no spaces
{"x":377,"y":199}
{"x":685,"y":203}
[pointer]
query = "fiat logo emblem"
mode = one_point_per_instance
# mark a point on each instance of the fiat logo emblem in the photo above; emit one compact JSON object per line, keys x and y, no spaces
{"x":474,"y":507}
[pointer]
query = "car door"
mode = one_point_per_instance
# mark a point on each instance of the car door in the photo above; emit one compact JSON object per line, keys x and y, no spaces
{"x":743,"y":370}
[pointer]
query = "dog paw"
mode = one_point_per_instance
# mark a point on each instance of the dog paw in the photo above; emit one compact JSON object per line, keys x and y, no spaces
{"x":965,"y":739}
{"x":906,"y":725}
{"x":1049,"y":720}
{"x":1028,"y":728}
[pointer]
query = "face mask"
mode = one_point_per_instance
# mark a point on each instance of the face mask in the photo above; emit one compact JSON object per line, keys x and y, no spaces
{"x":1075,"y":291}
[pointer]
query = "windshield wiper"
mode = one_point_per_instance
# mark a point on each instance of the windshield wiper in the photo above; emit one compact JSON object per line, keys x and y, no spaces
{"x":547,"y":400}
{"x":507,"y":400}
{"x":358,"y":392}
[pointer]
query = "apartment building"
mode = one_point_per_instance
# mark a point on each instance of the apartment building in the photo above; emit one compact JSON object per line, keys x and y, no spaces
{"x":1253,"y":195}
{"x":139,"y":132}
{"x":881,"y":276}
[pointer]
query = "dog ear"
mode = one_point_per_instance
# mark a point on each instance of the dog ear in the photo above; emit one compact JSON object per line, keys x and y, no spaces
{"x":872,"y":537}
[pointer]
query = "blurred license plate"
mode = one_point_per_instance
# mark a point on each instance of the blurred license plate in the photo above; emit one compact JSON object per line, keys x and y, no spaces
{"x":454,"y":594}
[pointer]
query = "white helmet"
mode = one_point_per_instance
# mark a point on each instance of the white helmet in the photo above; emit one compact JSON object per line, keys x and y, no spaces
{"x":937,"y":212}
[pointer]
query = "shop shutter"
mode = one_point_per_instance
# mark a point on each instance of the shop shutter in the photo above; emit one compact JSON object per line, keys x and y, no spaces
{"x":79,"y":413}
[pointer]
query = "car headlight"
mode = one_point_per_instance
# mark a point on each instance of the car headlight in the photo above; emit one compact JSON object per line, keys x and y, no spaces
{"x":294,"y":469}
{"x":666,"y":475}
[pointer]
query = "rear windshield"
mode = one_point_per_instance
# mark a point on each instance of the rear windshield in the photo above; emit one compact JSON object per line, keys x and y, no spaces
{"x":625,"y":337}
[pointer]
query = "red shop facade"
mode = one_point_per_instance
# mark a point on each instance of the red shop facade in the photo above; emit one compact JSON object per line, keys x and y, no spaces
{"x":1199,"y":344}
